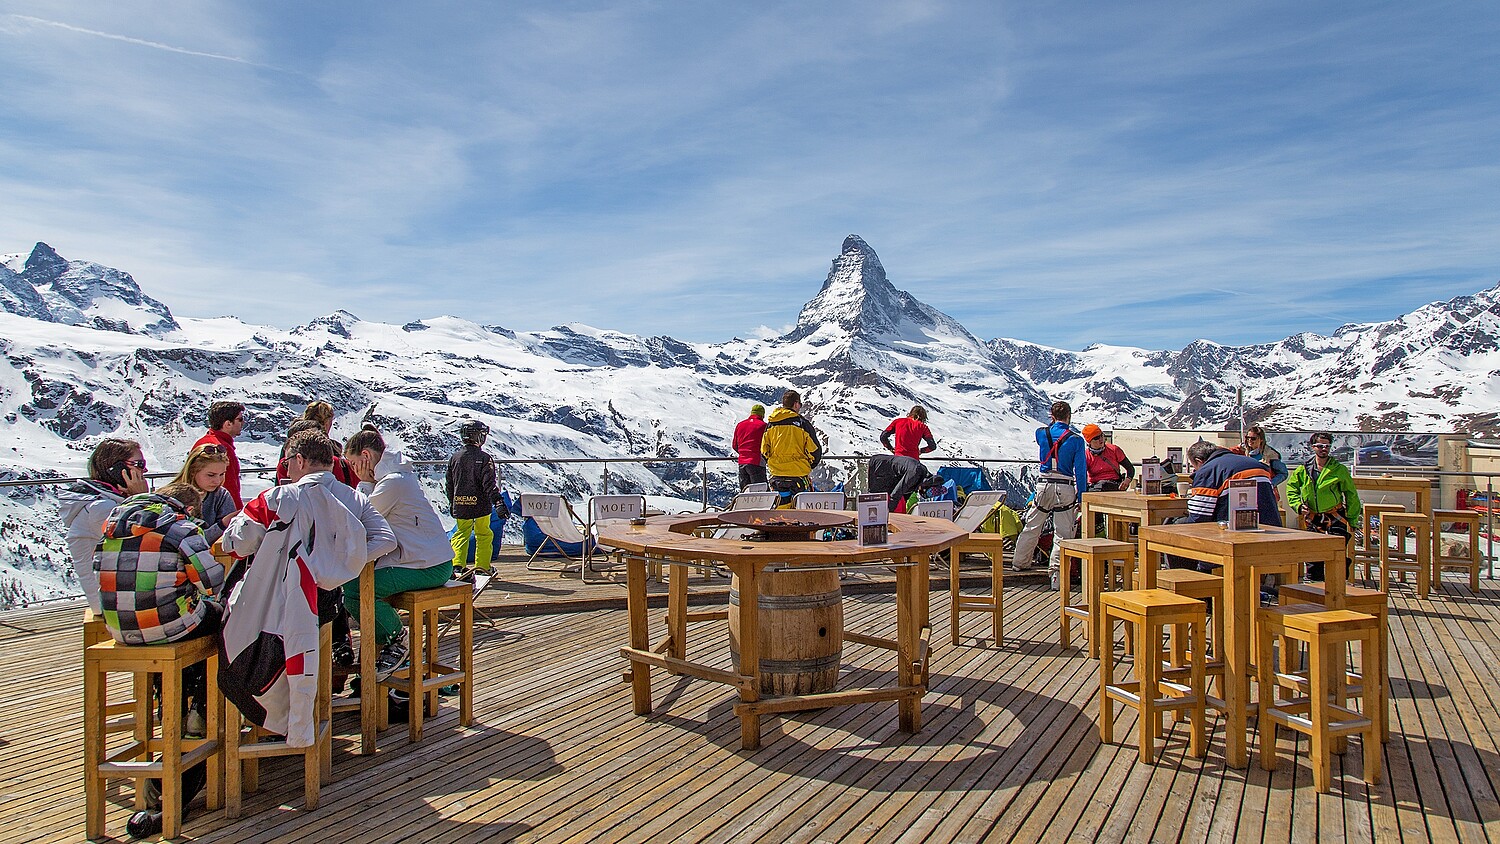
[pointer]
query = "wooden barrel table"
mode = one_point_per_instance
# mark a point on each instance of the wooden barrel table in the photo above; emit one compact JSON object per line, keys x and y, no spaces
{"x":801,"y":631}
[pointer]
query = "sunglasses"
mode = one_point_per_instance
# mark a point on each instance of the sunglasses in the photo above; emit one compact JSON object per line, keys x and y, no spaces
{"x":139,"y":464}
{"x":1322,"y":445}
{"x":213,"y":449}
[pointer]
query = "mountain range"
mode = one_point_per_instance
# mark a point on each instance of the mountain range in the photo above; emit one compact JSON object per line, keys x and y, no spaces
{"x":85,"y":353}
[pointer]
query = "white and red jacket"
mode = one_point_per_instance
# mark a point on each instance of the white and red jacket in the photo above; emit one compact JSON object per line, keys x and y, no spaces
{"x":302,"y":538}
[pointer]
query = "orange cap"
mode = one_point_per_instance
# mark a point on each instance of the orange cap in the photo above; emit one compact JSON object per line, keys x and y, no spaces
{"x":1091,"y":431}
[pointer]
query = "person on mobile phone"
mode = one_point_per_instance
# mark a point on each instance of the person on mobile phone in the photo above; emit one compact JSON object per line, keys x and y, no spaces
{"x":117,"y":470}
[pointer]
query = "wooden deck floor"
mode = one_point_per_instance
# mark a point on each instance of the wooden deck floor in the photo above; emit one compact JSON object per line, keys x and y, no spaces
{"x":1010,"y":749}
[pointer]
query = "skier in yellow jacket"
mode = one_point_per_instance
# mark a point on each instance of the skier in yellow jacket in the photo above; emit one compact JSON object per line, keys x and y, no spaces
{"x":791,"y":448}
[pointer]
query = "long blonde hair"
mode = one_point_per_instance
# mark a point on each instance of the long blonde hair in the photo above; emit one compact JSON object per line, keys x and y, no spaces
{"x":201,"y":454}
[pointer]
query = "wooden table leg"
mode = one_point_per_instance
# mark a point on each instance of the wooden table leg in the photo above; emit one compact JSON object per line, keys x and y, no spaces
{"x":907,"y":627}
{"x":1241,"y":596}
{"x":635,"y":599}
{"x":1145,"y":568}
{"x":953,"y":558}
{"x":1086,"y":514}
{"x":1336,"y":590}
{"x":370,"y":696}
{"x":997,"y":586}
{"x":677,"y":603}
{"x":750,"y":654}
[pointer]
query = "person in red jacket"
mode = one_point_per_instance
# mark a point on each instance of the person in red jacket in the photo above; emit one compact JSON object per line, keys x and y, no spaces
{"x":912,"y":436}
{"x":226,"y":419}
{"x":746,"y":442}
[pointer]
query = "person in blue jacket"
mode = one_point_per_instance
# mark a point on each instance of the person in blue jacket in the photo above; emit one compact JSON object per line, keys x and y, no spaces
{"x":1065,"y":474}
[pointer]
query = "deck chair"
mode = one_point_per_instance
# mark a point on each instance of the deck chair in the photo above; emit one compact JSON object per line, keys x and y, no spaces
{"x":935,"y":509}
{"x":606,"y":508}
{"x":977,"y":507}
{"x":559,"y":526}
{"x":819,"y":501}
{"x":762,"y":500}
{"x":757,"y":488}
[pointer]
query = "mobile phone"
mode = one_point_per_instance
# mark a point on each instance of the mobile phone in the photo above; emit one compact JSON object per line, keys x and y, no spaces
{"x":116,"y":474}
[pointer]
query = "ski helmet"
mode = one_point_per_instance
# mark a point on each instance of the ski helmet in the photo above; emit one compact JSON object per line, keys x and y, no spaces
{"x":473,"y":431}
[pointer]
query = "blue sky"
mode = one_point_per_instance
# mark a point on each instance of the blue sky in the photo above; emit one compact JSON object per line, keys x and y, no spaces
{"x":1067,"y":173}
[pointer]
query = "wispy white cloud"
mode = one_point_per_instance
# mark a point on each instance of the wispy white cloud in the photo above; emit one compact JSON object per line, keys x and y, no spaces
{"x":139,"y":42}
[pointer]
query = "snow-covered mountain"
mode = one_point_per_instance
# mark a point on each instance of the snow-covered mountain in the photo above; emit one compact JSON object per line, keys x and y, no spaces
{"x":85,"y":354}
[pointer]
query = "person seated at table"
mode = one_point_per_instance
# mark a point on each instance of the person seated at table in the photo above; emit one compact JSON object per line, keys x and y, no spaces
{"x":423,"y":558}
{"x":159,"y":583}
{"x":1109,"y":469}
{"x":1213,"y":468}
{"x":1322,"y":492}
{"x":1257,"y":447}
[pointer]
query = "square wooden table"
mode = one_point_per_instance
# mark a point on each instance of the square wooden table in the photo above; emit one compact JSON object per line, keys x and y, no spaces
{"x":1420,"y":488}
{"x":1128,"y":506}
{"x":1244,"y":556}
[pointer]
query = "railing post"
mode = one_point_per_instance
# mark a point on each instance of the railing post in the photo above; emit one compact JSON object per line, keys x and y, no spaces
{"x":1489,"y":514}
{"x":704,"y":464}
{"x":605,"y":489}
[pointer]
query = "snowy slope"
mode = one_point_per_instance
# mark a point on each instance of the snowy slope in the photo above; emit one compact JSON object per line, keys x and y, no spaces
{"x":85,"y":354}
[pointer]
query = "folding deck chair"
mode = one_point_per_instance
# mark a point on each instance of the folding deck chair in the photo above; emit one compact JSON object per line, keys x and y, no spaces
{"x":606,"y":508}
{"x":819,"y":501}
{"x":935,"y":509}
{"x":554,"y":517}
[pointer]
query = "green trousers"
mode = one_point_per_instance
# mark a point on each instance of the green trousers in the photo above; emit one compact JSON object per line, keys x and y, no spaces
{"x":484,"y":542}
{"x":389,"y":581}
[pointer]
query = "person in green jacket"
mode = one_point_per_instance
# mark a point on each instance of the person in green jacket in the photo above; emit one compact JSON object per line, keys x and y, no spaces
{"x":1323,"y":494}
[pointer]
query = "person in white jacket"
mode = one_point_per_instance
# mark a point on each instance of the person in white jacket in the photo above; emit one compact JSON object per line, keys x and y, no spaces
{"x":423,"y":557}
{"x":117,"y":470}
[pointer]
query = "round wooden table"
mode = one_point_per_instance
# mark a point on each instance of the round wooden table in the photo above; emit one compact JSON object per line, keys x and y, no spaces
{"x":679,"y":540}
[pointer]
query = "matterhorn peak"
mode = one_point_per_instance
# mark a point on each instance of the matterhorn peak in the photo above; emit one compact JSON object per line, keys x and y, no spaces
{"x":858,"y":300}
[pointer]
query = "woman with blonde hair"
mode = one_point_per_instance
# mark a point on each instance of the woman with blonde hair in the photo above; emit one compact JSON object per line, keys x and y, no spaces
{"x":320,"y":412}
{"x":204,"y":470}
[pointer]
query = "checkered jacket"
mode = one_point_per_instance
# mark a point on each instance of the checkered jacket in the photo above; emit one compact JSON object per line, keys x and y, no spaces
{"x":154,"y":571}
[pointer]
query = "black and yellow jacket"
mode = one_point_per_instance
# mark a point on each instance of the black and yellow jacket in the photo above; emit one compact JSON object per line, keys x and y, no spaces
{"x":790,"y":445}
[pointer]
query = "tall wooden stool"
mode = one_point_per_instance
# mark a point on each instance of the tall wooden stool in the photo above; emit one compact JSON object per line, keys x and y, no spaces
{"x":370,"y":695}
{"x":119,"y":717}
{"x":1370,"y":602}
{"x":1208,"y":588}
{"x":1316,"y":714}
{"x":1150,"y":693}
{"x":242,"y":760}
{"x":991,"y":545}
{"x":424,"y":675}
{"x":1367,"y":551}
{"x":1095,"y":556}
{"x":1394,"y":527}
{"x":1468,"y":561}
{"x":134,"y":761}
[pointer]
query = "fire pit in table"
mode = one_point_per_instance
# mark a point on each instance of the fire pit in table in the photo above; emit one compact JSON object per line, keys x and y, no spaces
{"x":786,"y":525}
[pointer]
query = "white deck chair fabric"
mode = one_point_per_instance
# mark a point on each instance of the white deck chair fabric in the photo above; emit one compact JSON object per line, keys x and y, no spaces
{"x":755,"y":501}
{"x":555,"y":517}
{"x":757,"y":488}
{"x":935,"y":509}
{"x":607,"y":508}
{"x":977,"y":508}
{"x":819,"y":501}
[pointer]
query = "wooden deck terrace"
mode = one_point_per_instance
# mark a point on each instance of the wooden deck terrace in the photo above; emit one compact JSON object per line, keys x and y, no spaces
{"x":1009,"y":750}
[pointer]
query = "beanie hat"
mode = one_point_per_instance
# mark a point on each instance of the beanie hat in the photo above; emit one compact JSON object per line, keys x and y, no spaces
{"x":1091,"y":430}
{"x":757,"y":410}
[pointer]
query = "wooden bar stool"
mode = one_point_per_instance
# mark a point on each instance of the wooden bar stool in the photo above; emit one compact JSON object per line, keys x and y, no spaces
{"x":1368,"y":601}
{"x":991,"y":545}
{"x":1150,"y":693}
{"x":424,"y":675}
{"x":119,"y":717}
{"x":1394,"y":527}
{"x":1208,"y":588}
{"x":370,"y":695}
{"x":242,"y":760}
{"x":177,"y":753}
{"x":1468,"y":561}
{"x":1367,"y":551}
{"x":1316,"y":714}
{"x":1095,"y":557}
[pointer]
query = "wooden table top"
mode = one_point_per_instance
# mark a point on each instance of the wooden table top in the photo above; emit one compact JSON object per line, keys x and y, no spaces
{"x":1214,"y":538}
{"x":1132,"y":500}
{"x":672,"y":537}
